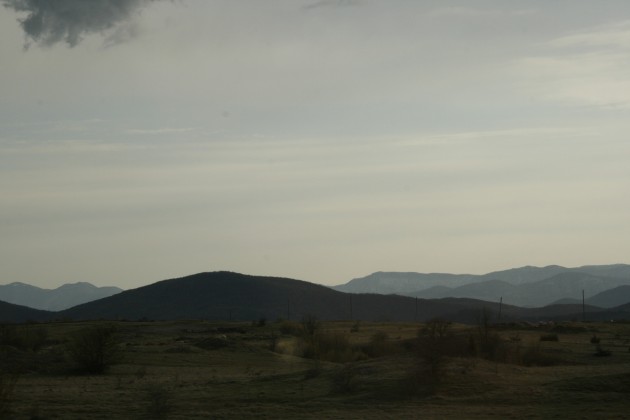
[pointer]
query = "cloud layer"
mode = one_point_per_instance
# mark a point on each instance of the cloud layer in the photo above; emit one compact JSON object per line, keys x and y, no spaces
{"x":321,"y":143}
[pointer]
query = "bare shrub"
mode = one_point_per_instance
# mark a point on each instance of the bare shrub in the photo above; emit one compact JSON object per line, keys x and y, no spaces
{"x":435,"y":344}
{"x":534,"y":355}
{"x":23,"y":337}
{"x":95,"y":349}
{"x":345,"y":379}
{"x":310,"y":324}
{"x":314,"y":371}
{"x":330,"y":346}
{"x":431,"y":347}
{"x":159,"y":402}
{"x":355,"y":327}
{"x":380,"y":345}
{"x":488,"y":344}
{"x":291,"y":328}
{"x":549,"y":337}
{"x":419,"y":381}
{"x":492,"y":347}
{"x":7,"y":385}
{"x":600,"y":352}
{"x":273,"y":341}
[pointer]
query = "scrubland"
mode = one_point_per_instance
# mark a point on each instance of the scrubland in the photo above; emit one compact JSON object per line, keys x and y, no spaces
{"x":312,"y":369}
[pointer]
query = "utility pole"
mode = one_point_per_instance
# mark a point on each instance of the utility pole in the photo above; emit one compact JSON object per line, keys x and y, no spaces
{"x":416,"y":315}
{"x":351,"y":311}
{"x":583,"y":308}
{"x":500,"y":307}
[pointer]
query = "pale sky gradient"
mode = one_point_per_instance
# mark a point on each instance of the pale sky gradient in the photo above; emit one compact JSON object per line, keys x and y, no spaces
{"x":317,"y":140}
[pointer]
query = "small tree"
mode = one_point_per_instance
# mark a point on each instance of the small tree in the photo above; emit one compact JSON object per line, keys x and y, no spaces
{"x":96,"y":348}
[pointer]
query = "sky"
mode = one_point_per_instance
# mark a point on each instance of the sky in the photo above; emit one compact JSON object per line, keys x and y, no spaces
{"x":317,"y":140}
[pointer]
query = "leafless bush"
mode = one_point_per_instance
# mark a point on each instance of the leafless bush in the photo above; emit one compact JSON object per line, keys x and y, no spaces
{"x":310,"y":324}
{"x":330,"y":346}
{"x":549,"y":337}
{"x":159,"y":402}
{"x":534,"y":355}
{"x":23,"y":337}
{"x":355,"y":327}
{"x":291,"y":328}
{"x":7,"y":385}
{"x":380,"y":345}
{"x":345,"y":379}
{"x":431,"y":347}
{"x":95,"y":349}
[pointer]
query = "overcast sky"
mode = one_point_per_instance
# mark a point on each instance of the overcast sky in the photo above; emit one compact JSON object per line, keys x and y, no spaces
{"x":317,"y":140}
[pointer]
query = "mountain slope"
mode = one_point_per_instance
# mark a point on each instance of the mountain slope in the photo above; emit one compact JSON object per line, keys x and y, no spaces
{"x":611,"y":298}
{"x":233,"y":296}
{"x":490,"y":290}
{"x":565,"y":288}
{"x":10,"y":312}
{"x":239,"y":297}
{"x":402,"y":283}
{"x":564,"y":285}
{"x":524,"y":286}
{"x":57,"y":299}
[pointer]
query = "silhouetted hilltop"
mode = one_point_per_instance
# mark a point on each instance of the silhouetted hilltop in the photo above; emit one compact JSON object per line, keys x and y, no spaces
{"x":10,"y":312}
{"x":232,"y":296}
{"x":239,"y":297}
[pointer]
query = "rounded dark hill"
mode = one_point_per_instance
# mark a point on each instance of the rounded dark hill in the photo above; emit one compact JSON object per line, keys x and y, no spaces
{"x":218,"y":295}
{"x":238,"y":297}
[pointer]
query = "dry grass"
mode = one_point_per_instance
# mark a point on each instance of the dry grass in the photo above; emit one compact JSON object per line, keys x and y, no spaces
{"x":171,"y":371}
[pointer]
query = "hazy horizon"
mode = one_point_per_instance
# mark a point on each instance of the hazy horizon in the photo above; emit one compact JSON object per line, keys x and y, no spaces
{"x":316,"y":140}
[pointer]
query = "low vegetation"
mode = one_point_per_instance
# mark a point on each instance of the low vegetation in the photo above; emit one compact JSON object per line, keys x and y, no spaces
{"x":94,"y":349}
{"x":312,"y":369}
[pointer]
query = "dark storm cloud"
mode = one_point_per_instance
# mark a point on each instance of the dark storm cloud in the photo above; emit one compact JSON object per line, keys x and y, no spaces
{"x":50,"y":21}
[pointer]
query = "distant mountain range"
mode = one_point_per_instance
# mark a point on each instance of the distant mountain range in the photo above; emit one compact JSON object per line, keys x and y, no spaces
{"x":526,"y":286}
{"x":238,"y":297}
{"x":63,"y":297}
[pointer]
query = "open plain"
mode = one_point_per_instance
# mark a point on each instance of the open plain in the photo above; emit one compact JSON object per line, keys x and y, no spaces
{"x":197,"y":369}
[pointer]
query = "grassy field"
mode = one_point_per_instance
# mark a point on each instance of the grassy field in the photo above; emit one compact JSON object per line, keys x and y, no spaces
{"x":194,"y":369}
